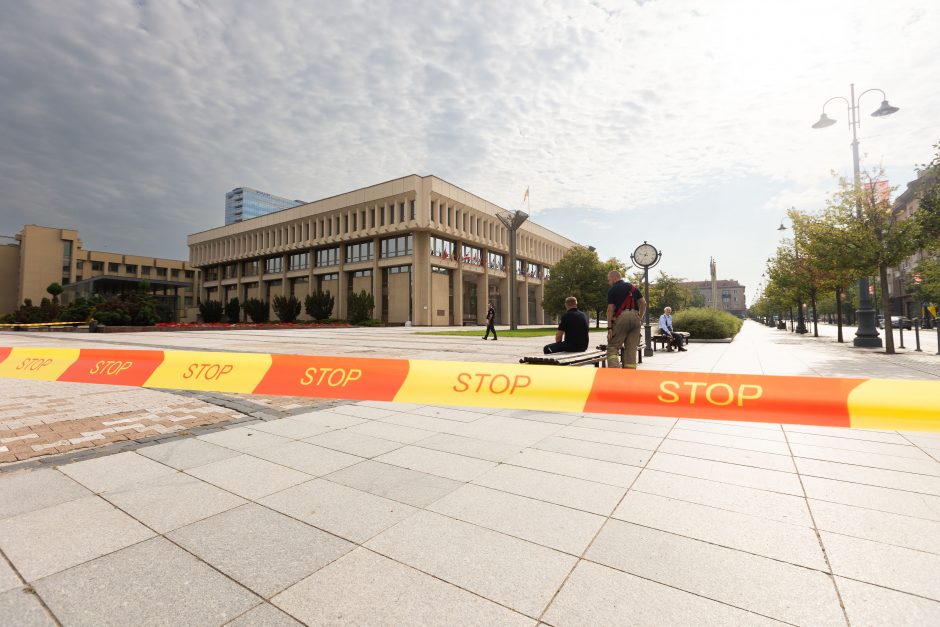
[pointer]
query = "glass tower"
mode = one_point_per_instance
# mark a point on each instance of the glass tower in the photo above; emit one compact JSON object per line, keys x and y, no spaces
{"x":244,"y":203}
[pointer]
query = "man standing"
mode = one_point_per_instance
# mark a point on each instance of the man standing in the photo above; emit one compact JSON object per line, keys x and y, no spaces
{"x":572,"y":333}
{"x":625,"y":309}
{"x":665,"y":327}
{"x":490,"y":322}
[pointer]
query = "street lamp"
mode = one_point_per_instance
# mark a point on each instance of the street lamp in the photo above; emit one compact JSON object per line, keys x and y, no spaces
{"x":512,"y":220}
{"x":867,"y":334}
{"x":800,"y":319}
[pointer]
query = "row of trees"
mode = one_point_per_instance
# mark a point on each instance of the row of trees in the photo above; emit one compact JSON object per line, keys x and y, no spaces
{"x":859,"y":233}
{"x":135,"y":308}
{"x":582,"y":274}
{"x":319,"y":306}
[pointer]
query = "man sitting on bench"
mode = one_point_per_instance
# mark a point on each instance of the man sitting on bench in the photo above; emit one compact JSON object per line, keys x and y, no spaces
{"x":572,"y":333}
{"x":665,"y":327}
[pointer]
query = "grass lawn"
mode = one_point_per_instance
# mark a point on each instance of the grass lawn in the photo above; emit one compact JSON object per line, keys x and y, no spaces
{"x":539,"y":332}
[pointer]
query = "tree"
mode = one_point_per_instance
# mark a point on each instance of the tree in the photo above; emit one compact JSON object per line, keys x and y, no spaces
{"x":258,"y":310}
{"x":319,"y":305}
{"x":211,"y":311}
{"x":286,"y":308}
{"x":927,"y":291}
{"x":579,"y":273}
{"x":927,"y":215}
{"x":54,"y":290}
{"x":669,"y":291}
{"x":360,"y":307}
{"x":233,"y":311}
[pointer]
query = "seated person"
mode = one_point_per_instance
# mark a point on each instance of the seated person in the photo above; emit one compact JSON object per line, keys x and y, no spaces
{"x":572,"y":334}
{"x":665,"y":326}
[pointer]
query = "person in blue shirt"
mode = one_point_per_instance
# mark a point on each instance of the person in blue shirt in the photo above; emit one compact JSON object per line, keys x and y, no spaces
{"x":665,"y":325}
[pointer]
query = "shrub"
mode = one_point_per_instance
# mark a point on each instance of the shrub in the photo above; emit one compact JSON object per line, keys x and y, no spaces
{"x":233,"y":311}
{"x":286,"y":308}
{"x":256,"y":309}
{"x":27,"y":313}
{"x":707,"y":324}
{"x":360,"y":307}
{"x":211,"y":310}
{"x":372,"y":322}
{"x":54,"y":290}
{"x":319,"y":305}
{"x":80,"y":309}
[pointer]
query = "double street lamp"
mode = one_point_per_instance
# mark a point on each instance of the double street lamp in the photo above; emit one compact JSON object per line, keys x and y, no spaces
{"x":512,"y":220}
{"x":867,"y":334}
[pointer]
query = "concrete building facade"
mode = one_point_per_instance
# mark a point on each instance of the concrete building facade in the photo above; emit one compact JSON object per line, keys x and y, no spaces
{"x":40,"y":255}
{"x":428,"y":251}
{"x":903,"y":302}
{"x":725,"y":294}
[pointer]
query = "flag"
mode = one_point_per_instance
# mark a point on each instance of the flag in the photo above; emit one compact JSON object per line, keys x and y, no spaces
{"x":525,"y":196}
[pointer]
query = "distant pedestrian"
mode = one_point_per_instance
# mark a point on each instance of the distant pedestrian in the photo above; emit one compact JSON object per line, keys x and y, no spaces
{"x":665,"y":327}
{"x":490,"y":322}
{"x":625,"y":308}
{"x":573,"y":329}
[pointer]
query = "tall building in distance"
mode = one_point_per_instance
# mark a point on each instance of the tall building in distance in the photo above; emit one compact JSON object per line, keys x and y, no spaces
{"x":245,"y":203}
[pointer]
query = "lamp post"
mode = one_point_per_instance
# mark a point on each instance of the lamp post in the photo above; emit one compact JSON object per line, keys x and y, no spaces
{"x":512,"y":220}
{"x":800,"y":318}
{"x":866,"y":335}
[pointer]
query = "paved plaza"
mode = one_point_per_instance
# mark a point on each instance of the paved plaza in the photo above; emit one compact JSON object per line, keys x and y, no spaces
{"x":298,"y":511}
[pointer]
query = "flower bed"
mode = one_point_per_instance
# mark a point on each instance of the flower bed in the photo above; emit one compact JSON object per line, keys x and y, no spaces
{"x":182,"y":326}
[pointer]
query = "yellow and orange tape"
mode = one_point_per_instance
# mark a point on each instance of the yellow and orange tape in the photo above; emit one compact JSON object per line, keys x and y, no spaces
{"x":829,"y":402}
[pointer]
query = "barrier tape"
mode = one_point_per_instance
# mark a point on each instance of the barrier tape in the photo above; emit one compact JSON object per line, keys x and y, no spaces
{"x":40,"y":324}
{"x":828,"y":402}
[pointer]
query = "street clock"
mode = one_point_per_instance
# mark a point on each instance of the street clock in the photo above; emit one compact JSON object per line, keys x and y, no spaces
{"x":645,"y":255}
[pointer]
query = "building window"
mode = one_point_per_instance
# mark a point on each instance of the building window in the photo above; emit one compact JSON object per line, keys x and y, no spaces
{"x":187,"y":301}
{"x":496,"y":261}
{"x":399,"y":270}
{"x":328,"y":257}
{"x":397,"y":246}
{"x":249,"y":268}
{"x":113,"y":267}
{"x":97,"y":266}
{"x":534,"y":271}
{"x":273,"y":265}
{"x":79,"y":264}
{"x":145,"y":270}
{"x":412,"y":210}
{"x":162,"y":271}
{"x":401,"y":212}
{"x":229,"y":271}
{"x":439,"y":270}
{"x":358,"y":274}
{"x":174,"y":273}
{"x":443,"y":248}
{"x":333,"y":276}
{"x":190,"y":274}
{"x":359,"y":252}
{"x":300,"y":261}
{"x":472,"y":256}
{"x":212,"y":274}
{"x":130,"y":268}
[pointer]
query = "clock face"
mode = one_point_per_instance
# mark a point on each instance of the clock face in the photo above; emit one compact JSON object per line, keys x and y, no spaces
{"x":645,"y":254}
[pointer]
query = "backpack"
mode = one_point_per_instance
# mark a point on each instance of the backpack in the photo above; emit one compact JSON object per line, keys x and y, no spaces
{"x":628,"y":302}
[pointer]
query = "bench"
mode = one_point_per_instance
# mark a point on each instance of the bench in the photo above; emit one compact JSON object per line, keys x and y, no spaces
{"x":657,"y":337}
{"x":598,"y":357}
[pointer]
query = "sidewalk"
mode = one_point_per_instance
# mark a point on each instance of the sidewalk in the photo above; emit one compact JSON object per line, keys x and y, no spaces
{"x":393,"y":514}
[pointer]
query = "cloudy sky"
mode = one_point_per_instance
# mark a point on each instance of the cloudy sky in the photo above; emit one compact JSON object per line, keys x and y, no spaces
{"x":684,"y":123}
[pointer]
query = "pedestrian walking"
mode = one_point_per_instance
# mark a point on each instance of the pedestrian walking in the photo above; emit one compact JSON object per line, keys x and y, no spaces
{"x":625,"y":309}
{"x":665,"y":327}
{"x":490,"y":321}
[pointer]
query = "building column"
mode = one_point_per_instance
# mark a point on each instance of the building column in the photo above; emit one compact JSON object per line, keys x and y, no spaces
{"x":523,"y":291}
{"x":483,"y":295}
{"x":458,"y":289}
{"x":339,"y":301}
{"x":539,"y":296}
{"x":421,"y":277}
{"x":376,"y":279}
{"x":504,"y":300}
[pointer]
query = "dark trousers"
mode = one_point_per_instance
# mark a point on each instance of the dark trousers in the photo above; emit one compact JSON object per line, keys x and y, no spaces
{"x":556,"y":347}
{"x":676,"y":339}
{"x":490,"y":327}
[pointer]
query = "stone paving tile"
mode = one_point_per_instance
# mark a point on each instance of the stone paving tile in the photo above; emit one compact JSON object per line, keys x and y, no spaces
{"x":596,"y":498}
{"x":702,"y":436}
{"x":874,"y":606}
{"x":595,"y":450}
{"x":747,"y":476}
{"x":653,"y":421}
{"x":747,"y":430}
{"x":866,"y":435}
{"x":578,"y":467}
{"x":873,"y":497}
{"x":758,"y":584}
{"x":354,"y":443}
{"x":439,"y":463}
{"x":387,"y":431}
{"x":264,"y":615}
{"x":895,"y":567}
{"x":366,"y":589}
{"x":598,"y":595}
{"x":331,"y":419}
{"x":521,"y":575}
{"x":8,"y":577}
{"x":170,"y":501}
{"x":470,"y":447}
{"x":554,"y":526}
{"x":366,"y":412}
{"x":925,"y":466}
{"x":49,"y":540}
{"x":743,"y":457}
{"x":862,"y":446}
{"x":622,"y":427}
{"x":29,"y":490}
{"x":507,"y":430}
{"x":448,"y":413}
{"x":263,"y":550}
{"x":241,"y":438}
{"x":393,"y":482}
{"x":152,"y":583}
{"x":305,"y":457}
{"x":557,"y":418}
{"x":426,"y":423}
{"x":248,"y":476}
{"x":22,"y":608}
{"x":610,"y":437}
{"x":114,"y":471}
{"x":870,"y":476}
{"x":761,"y":503}
{"x":906,"y":531}
{"x":343,"y":511}
{"x":782,"y":541}
{"x":290,"y":428}
{"x":186,"y":453}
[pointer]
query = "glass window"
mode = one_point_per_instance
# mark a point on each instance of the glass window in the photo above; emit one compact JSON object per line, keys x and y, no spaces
{"x":79,"y":264}
{"x":131,"y":268}
{"x":399,"y":270}
{"x":439,"y":270}
{"x":333,"y":276}
{"x":519,"y":266}
{"x":401,"y":212}
{"x":472,"y":256}
{"x":299,"y":261}
{"x":212,"y":274}
{"x":546,"y":273}
{"x":328,"y":257}
{"x":442,"y":248}
{"x":250,"y":268}
{"x":397,"y":246}
{"x":412,"y":210}
{"x":97,"y":266}
{"x":190,"y":274}
{"x":162,"y":271}
{"x":273,"y":265}
{"x":362,"y":273}
{"x":497,"y":262}
{"x":174,"y":273}
{"x":113,"y":267}
{"x":359,"y":252}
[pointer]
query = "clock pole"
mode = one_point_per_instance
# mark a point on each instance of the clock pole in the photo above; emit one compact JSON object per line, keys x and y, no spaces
{"x":646,"y":256}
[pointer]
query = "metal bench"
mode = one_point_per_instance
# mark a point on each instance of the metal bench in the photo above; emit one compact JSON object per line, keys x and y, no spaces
{"x":596,"y":357}
{"x":663,"y":341}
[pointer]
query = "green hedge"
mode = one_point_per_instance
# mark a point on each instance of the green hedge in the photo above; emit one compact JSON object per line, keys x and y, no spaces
{"x":707,"y":324}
